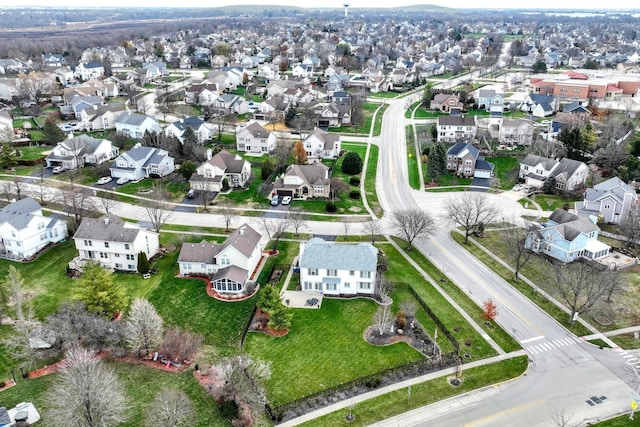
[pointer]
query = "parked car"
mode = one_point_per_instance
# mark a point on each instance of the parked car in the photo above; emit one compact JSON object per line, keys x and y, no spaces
{"x":275,"y":200}
{"x":191,"y":194}
{"x":58,"y":169}
{"x":286,"y":200}
{"x":104,"y":180}
{"x":122,"y":181}
{"x":517,"y":187}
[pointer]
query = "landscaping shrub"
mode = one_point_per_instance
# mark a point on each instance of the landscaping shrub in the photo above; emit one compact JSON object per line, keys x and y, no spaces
{"x":229,"y":409}
{"x":354,"y":180}
{"x":354,"y":194}
{"x":331,"y":207}
{"x":352,"y":164}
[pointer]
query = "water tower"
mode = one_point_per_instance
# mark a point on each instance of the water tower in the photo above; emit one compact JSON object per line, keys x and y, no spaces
{"x":346,"y":9}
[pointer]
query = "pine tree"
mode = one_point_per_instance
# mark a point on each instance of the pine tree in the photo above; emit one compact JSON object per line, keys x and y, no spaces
{"x":437,"y":160}
{"x":143,"y":263}
{"x":189,"y":136}
{"x":52,"y":133}
{"x":8,"y":156}
{"x":352,"y":163}
{"x":99,"y":292}
{"x":267,"y":169}
{"x":280,"y":318}
{"x":300,"y":153}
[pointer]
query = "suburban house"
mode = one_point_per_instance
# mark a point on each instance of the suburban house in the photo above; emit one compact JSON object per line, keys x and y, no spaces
{"x":6,"y":127}
{"x":135,"y":125}
{"x":304,"y":181}
{"x":538,"y":105}
{"x":229,"y":265}
{"x":322,"y":145}
{"x":333,"y":115}
{"x":567,"y":237}
{"x":229,"y":103}
{"x":141,"y":162}
{"x":609,"y":200}
{"x":446,"y":103}
{"x":253,"y":138}
{"x":569,"y":174}
{"x":88,"y":71}
{"x":456,"y":128}
{"x":24,"y":231}
{"x":113,"y":242}
{"x":338,"y":268}
{"x":178,"y":128}
{"x":224,"y":165}
{"x":101,"y":117}
{"x":516,"y":132}
{"x":465,"y":160}
{"x":75,"y":152}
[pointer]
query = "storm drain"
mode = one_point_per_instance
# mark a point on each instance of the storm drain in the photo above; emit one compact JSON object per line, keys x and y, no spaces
{"x":595,"y":400}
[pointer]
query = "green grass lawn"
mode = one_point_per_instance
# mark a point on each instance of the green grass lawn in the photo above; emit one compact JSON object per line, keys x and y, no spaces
{"x":550,"y":202}
{"x":32,"y":153}
{"x":370,"y":181}
{"x":506,"y":170}
{"x":621,"y":421}
{"x":449,"y":179}
{"x":377,"y":125}
{"x":413,"y":161}
{"x":385,"y":95}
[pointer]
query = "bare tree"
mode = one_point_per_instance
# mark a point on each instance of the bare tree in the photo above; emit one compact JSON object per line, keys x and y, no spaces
{"x":630,"y":226}
{"x":384,"y":287}
{"x":17,"y":183}
{"x":580,"y":286}
{"x":228,"y":214}
{"x":17,"y":343}
{"x":295,"y":217}
{"x":616,"y":282}
{"x":86,"y":393}
{"x":413,"y":223}
{"x":373,"y":227}
{"x":471,"y":211}
{"x":201,"y":187}
{"x":5,"y":190}
{"x":34,"y":87}
{"x":244,"y":377}
{"x":180,"y":345}
{"x":170,"y":408}
{"x":76,"y":202}
{"x":562,"y":419}
{"x":107,"y":203}
{"x":156,"y":206}
{"x":381,"y":318}
{"x":514,"y":238}
{"x":274,"y":229}
{"x":143,"y":327}
{"x":41,"y":186}
{"x":346,"y":224}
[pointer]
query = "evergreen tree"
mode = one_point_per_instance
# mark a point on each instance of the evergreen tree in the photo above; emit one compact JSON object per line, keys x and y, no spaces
{"x":280,"y":318}
{"x":8,"y":157}
{"x":189,"y":136}
{"x":290,"y":116}
{"x":549,"y":186}
{"x":299,"y":153}
{"x":267,"y":169}
{"x":574,"y":142}
{"x":225,"y":184}
{"x":143,"y":263}
{"x":52,"y":133}
{"x":99,"y":292}
{"x":269,"y":299}
{"x":539,"y":67}
{"x":352,"y":163}
{"x":187,"y":168}
{"x":437,"y":160}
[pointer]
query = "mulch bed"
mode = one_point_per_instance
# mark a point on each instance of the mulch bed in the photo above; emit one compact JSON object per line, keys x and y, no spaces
{"x":416,"y":337}
{"x":260,"y":323}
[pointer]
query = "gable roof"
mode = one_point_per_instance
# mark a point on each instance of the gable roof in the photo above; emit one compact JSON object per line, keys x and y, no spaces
{"x":327,"y":138}
{"x":461,"y":149}
{"x":613,"y":187}
{"x":202,"y":252}
{"x":257,"y":130}
{"x":230,"y":163}
{"x":244,"y":239}
{"x":567,"y":167}
{"x":319,"y":253}
{"x":132,"y":119}
{"x":19,"y":213}
{"x":109,"y":228}
{"x":570,"y":226}
{"x":456,"y":121}
{"x":533,"y":160}
{"x":193,"y":122}
{"x":313,"y":174}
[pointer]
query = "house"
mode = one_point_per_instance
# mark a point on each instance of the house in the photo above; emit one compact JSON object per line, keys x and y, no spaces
{"x":465,"y":160}
{"x":229,"y":265}
{"x":201,"y":93}
{"x":141,"y":162}
{"x":516,"y":132}
{"x":6,"y":127}
{"x":89,"y":71}
{"x":114,"y":243}
{"x":209,"y":176}
{"x":445,"y":103}
{"x":338,"y":268}
{"x":25,"y":231}
{"x":178,"y":128}
{"x":53,"y":60}
{"x":569,"y":174}
{"x":304,"y":182}
{"x":322,"y":145}
{"x":538,"y":105}
{"x":230,"y":104}
{"x":334,"y":115}
{"x":101,"y":117}
{"x":456,"y":128}
{"x":609,"y":200}
{"x":75,"y":152}
{"x":567,"y":237}
{"x":135,"y":125}
{"x":302,"y":70}
{"x":253,"y":138}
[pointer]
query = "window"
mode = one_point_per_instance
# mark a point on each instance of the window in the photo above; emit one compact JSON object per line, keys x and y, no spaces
{"x":104,"y":255}
{"x":88,"y":243}
{"x":118,"y":265}
{"x":365,"y":275}
{"x":126,"y":246}
{"x":332,"y":272}
{"x":129,"y":257}
{"x":526,"y":167}
{"x":225,"y":260}
{"x":106,"y":244}
{"x":607,"y":206}
{"x":308,"y":286}
{"x":331,"y":286}
{"x":13,"y":234}
{"x":364,"y":285}
{"x":467,"y":162}
{"x":346,"y":285}
{"x":351,"y":272}
{"x":132,"y":267}
{"x":313,"y":272}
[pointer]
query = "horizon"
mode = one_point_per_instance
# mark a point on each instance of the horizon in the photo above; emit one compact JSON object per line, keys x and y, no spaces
{"x":546,"y":5}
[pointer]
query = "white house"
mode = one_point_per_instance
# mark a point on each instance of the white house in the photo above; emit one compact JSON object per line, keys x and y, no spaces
{"x":75,"y":152}
{"x":135,"y":125}
{"x":224,"y":165}
{"x":569,"y":174}
{"x":178,"y":128}
{"x":89,"y":71}
{"x":516,"y":132}
{"x":6,"y":127}
{"x":456,"y":128}
{"x":101,"y":117}
{"x":24,"y":231}
{"x":230,"y":265}
{"x":253,"y":138}
{"x":114,"y":243}
{"x":323,"y":145}
{"x":610,"y":200}
{"x":141,"y":162}
{"x":304,"y":182}
{"x":337,"y":268}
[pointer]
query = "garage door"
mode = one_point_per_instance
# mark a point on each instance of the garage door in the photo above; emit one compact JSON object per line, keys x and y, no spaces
{"x":285,"y":193}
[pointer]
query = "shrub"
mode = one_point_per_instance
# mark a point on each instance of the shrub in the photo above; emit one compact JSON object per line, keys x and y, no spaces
{"x":401,"y":320}
{"x":331,"y":207}
{"x":354,"y":194}
{"x":229,"y":409}
{"x":354,"y":180}
{"x":352,"y":164}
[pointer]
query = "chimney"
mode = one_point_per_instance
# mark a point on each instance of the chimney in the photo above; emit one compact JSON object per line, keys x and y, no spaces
{"x":241,"y":231}
{"x":209,"y":153}
{"x":70,"y":136}
{"x":106,"y":220}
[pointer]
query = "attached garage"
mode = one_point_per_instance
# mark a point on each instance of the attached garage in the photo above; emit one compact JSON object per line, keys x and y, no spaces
{"x":282,"y":193}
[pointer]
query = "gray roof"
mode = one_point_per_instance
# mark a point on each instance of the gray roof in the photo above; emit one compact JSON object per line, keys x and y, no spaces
{"x":456,"y":121}
{"x":567,"y":167}
{"x":229,"y":163}
{"x":459,"y":147}
{"x":613,"y":187}
{"x":533,"y":160}
{"x":19,"y":213}
{"x":313,"y":174}
{"x":329,"y":139}
{"x":232,"y":272}
{"x":203,"y":252}
{"x":321,"y":254}
{"x":244,"y":238}
{"x":140,"y":152}
{"x":132,"y":119}
{"x":571,"y":226}
{"x":193,"y":122}
{"x":112,"y":230}
{"x":257,"y":131}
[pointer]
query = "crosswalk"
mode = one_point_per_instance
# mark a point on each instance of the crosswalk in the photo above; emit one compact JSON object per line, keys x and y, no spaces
{"x":549,"y":345}
{"x":629,"y":358}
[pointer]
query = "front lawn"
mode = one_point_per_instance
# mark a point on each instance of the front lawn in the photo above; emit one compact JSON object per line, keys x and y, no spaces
{"x":506,"y":170}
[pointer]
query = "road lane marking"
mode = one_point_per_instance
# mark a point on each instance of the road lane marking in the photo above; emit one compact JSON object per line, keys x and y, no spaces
{"x":539,"y":337}
{"x":503,"y":413}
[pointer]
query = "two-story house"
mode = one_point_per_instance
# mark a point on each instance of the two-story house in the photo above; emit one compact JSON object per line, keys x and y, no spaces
{"x":25,"y":231}
{"x":338,"y":268}
{"x":135,"y":125}
{"x":609,"y":200}
{"x":567,"y":237}
{"x":230,"y":265}
{"x":114,"y":243}
{"x":199,"y":127}
{"x":142,"y":162}
{"x":6,"y":127}
{"x":569,"y":174}
{"x":515,"y":132}
{"x":446,"y":103}
{"x":253,"y":138}
{"x":456,"y":128}
{"x":209,"y":176}
{"x":88,"y":71}
{"x":304,"y":182}
{"x":464,"y":160}
{"x":322,"y":145}
{"x":75,"y":152}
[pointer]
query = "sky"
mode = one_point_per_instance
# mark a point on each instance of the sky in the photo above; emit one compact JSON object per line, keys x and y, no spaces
{"x":507,"y":4}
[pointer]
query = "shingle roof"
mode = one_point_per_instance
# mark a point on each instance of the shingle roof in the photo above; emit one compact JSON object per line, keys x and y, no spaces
{"x":19,"y":213}
{"x":233,"y":272}
{"x":329,"y":139}
{"x":459,"y":148}
{"x":321,"y":254}
{"x":533,"y":160}
{"x":132,"y":119}
{"x":244,"y":239}
{"x":193,"y":122}
{"x":571,"y":226}
{"x":109,"y":228}
{"x":203,"y":252}
{"x":456,"y":121}
{"x":567,"y":167}
{"x":257,"y":131}
{"x":230,"y":163}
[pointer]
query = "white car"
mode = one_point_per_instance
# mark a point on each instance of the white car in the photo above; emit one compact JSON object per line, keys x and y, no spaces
{"x":274,"y":201}
{"x":104,"y":180}
{"x":517,"y":187}
{"x":58,"y":169}
{"x":122,"y":181}
{"x":286,"y":200}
